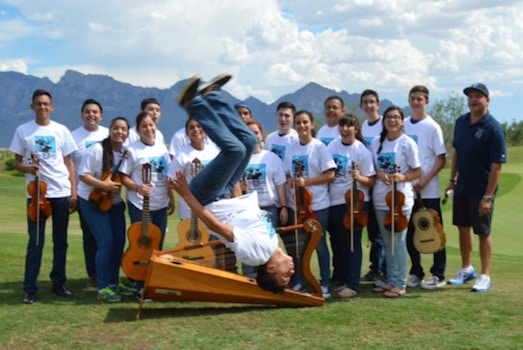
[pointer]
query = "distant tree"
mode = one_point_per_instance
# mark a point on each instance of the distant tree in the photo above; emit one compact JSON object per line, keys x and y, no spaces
{"x":513,"y":132}
{"x":445,"y":113}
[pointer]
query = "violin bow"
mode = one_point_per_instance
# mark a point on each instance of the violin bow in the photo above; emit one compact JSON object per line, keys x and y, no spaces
{"x":352,"y":209}
{"x":38,"y":197}
{"x":295,"y":194}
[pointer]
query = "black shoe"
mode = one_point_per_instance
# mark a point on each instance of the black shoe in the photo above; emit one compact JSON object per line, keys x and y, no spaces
{"x":62,"y":291}
{"x":29,"y":298}
{"x":189,"y":90}
{"x":215,"y":83}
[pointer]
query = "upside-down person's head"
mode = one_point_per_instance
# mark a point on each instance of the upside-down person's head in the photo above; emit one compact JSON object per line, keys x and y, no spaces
{"x":276,"y":273}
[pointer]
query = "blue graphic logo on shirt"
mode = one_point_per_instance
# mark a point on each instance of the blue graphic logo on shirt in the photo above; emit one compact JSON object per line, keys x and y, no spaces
{"x":255,"y":174}
{"x":279,"y":151}
{"x":341,"y":164}
{"x":327,"y":140}
{"x":415,"y":138}
{"x":300,"y":162}
{"x":265,"y":218}
{"x":368,"y":140}
{"x":45,"y":146}
{"x":158,"y":166}
{"x":386,"y":162}
{"x":89,"y":143}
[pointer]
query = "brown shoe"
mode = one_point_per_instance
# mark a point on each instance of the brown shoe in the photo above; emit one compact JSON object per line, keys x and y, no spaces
{"x":214,"y":84}
{"x":189,"y":91}
{"x":93,"y":282}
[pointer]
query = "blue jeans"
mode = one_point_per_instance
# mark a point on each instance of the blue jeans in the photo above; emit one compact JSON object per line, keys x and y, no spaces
{"x":377,"y":259}
{"x":236,"y":142}
{"x":157,"y":217}
{"x":33,"y":258}
{"x":397,"y":262}
{"x":439,"y":258}
{"x":108,"y":229}
{"x":89,"y":245}
{"x":351,"y":260}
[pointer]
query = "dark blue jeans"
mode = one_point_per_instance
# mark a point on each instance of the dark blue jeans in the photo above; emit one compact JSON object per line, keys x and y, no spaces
{"x":439,"y":258}
{"x":236,"y":142}
{"x":351,"y":260}
{"x":89,"y":245}
{"x":33,"y":258}
{"x":108,"y":229}
{"x":377,"y":248}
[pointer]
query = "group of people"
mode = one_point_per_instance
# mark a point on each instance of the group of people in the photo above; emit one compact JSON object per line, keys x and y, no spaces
{"x":245,"y":186}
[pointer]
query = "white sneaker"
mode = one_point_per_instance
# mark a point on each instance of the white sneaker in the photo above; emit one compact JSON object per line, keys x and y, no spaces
{"x":433,"y":283}
{"x":463,"y":276}
{"x":298,"y":287}
{"x":326,"y":291}
{"x":413,"y":281}
{"x":482,"y":284}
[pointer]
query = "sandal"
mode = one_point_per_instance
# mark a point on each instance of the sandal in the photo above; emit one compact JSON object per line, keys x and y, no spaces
{"x":394,"y":293}
{"x":346,"y":293}
{"x":382,"y":289}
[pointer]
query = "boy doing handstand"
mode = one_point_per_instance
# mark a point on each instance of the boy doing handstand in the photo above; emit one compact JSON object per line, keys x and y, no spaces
{"x":238,"y":222}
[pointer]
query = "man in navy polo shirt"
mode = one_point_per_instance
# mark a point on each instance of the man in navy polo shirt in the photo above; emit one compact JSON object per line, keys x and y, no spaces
{"x":477,"y":154}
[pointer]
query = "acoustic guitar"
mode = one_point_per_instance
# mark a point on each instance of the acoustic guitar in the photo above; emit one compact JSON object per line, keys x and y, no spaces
{"x":192,"y":232}
{"x":144,"y":237}
{"x":429,"y":236}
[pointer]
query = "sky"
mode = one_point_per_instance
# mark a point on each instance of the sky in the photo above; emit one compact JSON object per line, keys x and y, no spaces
{"x":276,"y":47}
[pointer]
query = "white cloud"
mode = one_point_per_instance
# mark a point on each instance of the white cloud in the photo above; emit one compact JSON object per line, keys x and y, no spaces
{"x":274,"y":47}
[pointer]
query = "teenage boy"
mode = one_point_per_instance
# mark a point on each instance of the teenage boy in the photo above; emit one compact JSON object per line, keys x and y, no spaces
{"x":432,"y":154}
{"x":51,"y":145}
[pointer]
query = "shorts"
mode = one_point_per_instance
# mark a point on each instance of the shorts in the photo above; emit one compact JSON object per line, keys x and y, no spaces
{"x":465,"y":214}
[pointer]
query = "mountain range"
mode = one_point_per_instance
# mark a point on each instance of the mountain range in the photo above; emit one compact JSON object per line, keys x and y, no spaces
{"x":123,"y":99}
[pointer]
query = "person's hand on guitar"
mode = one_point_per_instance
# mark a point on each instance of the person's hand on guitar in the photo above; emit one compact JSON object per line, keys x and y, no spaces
{"x":145,"y":190}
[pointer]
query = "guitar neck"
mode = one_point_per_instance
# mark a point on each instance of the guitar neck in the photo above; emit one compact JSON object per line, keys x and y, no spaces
{"x":146,"y":218}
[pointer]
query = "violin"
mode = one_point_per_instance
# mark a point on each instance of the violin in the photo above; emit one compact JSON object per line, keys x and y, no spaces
{"x":302,"y":200}
{"x":355,"y":216}
{"x":395,"y":219}
{"x":103,"y":199}
{"x":39,"y":206}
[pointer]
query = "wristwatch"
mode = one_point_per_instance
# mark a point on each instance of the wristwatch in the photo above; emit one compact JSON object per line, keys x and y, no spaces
{"x":488,"y":198}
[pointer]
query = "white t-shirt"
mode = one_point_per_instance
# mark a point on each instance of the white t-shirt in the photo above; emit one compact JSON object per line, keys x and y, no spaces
{"x":263,"y":174}
{"x":50,"y":143}
{"x":158,"y":157}
{"x":370,"y":131}
{"x":316,"y":159}
{"x":327,"y":134}
{"x":278,"y":144}
{"x":92,"y":164}
{"x":428,"y":136}
{"x":183,"y":161}
{"x":403,"y":152}
{"x":255,"y":240}
{"x":343,"y":156}
{"x":134,"y":136}
{"x":84,"y":139}
{"x":180,"y":139}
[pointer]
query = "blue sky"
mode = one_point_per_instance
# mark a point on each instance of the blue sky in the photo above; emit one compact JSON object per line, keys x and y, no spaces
{"x":276,"y":47}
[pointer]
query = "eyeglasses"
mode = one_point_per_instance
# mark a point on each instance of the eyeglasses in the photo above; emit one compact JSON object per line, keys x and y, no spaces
{"x":393,"y":117}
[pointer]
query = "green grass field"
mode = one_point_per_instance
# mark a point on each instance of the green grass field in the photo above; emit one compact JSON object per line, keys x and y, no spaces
{"x":450,"y":318}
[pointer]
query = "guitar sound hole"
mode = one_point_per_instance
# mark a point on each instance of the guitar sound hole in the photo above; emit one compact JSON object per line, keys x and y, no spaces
{"x":424,"y":224}
{"x":144,"y":242}
{"x":194,"y":236}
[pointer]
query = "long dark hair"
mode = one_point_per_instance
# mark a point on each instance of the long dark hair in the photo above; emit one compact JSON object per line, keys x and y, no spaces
{"x":108,"y":158}
{"x":383,"y":134}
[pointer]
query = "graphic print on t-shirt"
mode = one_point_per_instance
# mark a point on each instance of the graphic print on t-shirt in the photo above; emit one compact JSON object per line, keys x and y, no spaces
{"x":279,"y":151}
{"x":386,"y":162}
{"x":45,"y":146}
{"x":158,"y":166}
{"x":342,"y":163}
{"x":256,"y":175}
{"x":300,"y":162}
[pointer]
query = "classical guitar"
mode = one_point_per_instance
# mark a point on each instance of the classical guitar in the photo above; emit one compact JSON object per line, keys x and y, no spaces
{"x":144,"y":237}
{"x":192,"y":232}
{"x":103,"y":199}
{"x":429,"y":236}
